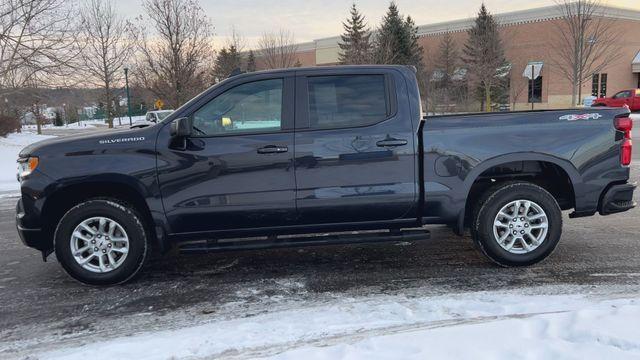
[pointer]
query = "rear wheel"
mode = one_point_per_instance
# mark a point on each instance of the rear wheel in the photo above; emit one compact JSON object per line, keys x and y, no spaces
{"x":517,"y":224}
{"x":101,"y":242}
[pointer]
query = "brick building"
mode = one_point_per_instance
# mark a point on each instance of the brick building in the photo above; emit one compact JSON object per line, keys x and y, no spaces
{"x":529,"y":37}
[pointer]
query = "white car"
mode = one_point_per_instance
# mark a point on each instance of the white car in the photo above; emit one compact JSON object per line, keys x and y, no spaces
{"x":157,"y":115}
{"x":152,"y":117}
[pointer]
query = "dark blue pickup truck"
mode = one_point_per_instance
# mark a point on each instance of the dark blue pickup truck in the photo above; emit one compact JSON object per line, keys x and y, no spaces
{"x":268,"y":158}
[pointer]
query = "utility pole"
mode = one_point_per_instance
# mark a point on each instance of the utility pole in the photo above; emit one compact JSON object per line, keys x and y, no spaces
{"x":126,"y":79}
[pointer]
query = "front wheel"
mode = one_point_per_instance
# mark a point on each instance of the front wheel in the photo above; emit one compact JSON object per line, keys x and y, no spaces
{"x":517,"y":224}
{"x":101,"y":242}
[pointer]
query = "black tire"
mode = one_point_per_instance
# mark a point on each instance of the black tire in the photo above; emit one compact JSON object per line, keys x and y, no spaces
{"x":127,"y":217}
{"x":490,"y":204}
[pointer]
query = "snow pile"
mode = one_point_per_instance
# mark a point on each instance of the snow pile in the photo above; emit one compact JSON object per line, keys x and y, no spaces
{"x":487,"y":325}
{"x":10,"y":146}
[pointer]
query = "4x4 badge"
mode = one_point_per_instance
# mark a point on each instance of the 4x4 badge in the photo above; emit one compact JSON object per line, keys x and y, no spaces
{"x":574,"y":117}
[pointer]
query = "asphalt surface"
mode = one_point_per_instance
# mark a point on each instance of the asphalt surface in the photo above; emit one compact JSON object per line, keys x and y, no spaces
{"x":41,"y":307}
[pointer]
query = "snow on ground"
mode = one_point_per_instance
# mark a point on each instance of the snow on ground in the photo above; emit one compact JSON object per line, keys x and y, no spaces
{"x":484,"y":325}
{"x":72,"y":126}
{"x":10,"y":146}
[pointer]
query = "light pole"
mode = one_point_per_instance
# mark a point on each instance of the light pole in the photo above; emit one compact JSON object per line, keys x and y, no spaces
{"x":126,"y":80}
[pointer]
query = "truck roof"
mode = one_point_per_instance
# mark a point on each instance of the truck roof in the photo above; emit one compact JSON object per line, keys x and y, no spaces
{"x":329,"y":68}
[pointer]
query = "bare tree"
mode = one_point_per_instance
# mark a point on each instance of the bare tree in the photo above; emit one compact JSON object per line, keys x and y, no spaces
{"x":38,"y":46}
{"x":108,"y":48}
{"x":175,"y":61}
{"x":278,"y":49}
{"x":587,"y":42}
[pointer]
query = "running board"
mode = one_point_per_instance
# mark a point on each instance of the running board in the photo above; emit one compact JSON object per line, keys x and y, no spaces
{"x":272,"y":242}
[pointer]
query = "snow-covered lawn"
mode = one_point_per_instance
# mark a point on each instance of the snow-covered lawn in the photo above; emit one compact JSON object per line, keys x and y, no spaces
{"x":88,"y":124}
{"x":484,"y":325}
{"x":73,"y":126}
{"x":10,"y":146}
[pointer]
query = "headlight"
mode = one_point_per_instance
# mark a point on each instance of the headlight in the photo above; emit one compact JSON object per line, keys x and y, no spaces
{"x":26,"y":166}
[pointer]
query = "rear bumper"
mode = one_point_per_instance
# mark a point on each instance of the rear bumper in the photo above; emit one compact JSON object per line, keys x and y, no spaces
{"x":617,"y":198}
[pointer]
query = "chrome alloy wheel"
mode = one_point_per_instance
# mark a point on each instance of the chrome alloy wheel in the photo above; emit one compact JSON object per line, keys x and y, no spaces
{"x":99,"y":244}
{"x":520,"y":226}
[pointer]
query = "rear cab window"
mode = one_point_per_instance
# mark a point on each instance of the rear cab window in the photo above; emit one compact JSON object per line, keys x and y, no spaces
{"x":338,"y":101}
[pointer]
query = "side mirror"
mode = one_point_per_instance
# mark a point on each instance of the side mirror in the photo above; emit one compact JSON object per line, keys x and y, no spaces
{"x":181,"y":127}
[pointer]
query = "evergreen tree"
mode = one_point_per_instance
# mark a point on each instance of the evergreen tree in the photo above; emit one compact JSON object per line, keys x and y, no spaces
{"x":414,"y":51}
{"x":484,"y":56}
{"x":447,"y":61}
{"x":57,"y":120}
{"x":228,"y":60}
{"x":356,"y":41}
{"x":251,"y":62}
{"x":446,"y":69}
{"x":390,"y":37}
{"x":397,"y":40}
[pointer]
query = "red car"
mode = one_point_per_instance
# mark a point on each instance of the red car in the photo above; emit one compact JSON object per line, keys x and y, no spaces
{"x":630,"y":98}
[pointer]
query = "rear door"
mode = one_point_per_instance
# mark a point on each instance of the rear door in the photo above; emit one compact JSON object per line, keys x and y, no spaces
{"x":354,"y":146}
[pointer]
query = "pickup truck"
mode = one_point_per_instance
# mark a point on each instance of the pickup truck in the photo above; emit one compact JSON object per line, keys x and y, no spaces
{"x":311,"y":156}
{"x":629,"y":98}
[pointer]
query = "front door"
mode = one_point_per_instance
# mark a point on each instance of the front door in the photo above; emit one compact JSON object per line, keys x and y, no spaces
{"x":236,"y":170}
{"x":354,"y":146}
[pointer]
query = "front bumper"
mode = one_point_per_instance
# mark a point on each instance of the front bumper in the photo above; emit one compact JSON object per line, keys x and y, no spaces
{"x":617,"y":198}
{"x":31,"y":237}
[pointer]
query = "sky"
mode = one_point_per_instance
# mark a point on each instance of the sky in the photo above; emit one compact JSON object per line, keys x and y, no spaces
{"x":315,"y":19}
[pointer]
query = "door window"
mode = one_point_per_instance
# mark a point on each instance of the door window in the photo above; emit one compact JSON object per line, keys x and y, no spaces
{"x":622,"y":95}
{"x":347,"y":100}
{"x":254,"y":107}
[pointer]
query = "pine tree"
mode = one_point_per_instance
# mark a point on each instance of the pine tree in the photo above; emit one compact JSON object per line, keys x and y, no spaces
{"x":251,"y":62}
{"x":228,"y":60}
{"x":356,"y":41}
{"x":397,"y":40}
{"x":447,"y":65}
{"x":484,"y":55}
{"x":390,"y":37}
{"x":414,"y":50}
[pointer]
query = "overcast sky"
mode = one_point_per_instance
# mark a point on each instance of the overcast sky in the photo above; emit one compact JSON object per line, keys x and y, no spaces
{"x":313,"y":19}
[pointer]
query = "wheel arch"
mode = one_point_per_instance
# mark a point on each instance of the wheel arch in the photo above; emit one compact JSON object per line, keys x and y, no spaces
{"x":567,"y":169}
{"x":63,"y":196}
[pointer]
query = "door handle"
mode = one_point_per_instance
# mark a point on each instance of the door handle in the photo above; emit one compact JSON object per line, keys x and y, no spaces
{"x":391,"y":142}
{"x":272,"y":149}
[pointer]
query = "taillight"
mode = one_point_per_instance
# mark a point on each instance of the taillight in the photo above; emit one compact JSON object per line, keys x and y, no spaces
{"x":625,"y":124}
{"x":625,"y":152}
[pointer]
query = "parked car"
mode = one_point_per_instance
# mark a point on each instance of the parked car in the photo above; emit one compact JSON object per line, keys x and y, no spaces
{"x":151,"y":118}
{"x":323,"y":150}
{"x":630,"y":98}
{"x":157,"y":116}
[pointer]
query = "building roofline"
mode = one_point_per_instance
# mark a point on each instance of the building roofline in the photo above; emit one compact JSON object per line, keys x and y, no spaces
{"x":518,"y":17}
{"x":504,"y":19}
